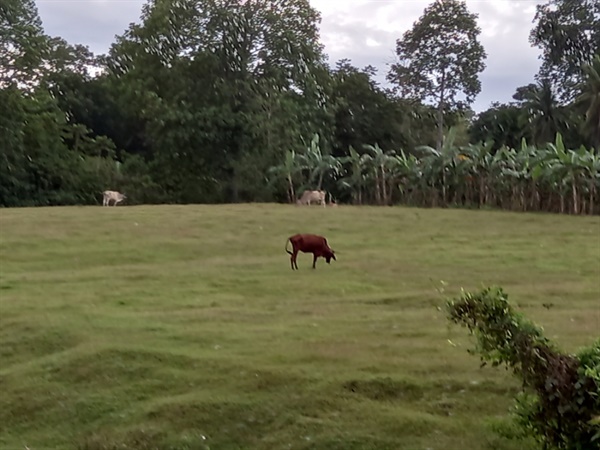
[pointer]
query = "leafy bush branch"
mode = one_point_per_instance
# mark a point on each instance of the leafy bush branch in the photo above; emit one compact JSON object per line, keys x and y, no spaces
{"x":560,"y":402}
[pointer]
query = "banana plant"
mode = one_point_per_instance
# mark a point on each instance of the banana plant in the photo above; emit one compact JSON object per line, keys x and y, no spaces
{"x":557,"y":168}
{"x":403,"y":173}
{"x":356,"y":179}
{"x":378,"y":164}
{"x":588,"y":178}
{"x":439,"y":162}
{"x":287,"y":170}
{"x":319,"y":164}
{"x":528,"y":178}
{"x":482,"y":169}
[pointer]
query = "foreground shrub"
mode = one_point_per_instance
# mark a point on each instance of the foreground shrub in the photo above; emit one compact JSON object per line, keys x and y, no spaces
{"x":560,"y":402}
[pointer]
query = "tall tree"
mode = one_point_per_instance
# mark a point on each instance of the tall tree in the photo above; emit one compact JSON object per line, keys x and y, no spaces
{"x":544,"y":115}
{"x":568,"y":33}
{"x":364,"y":112}
{"x":13,"y":161}
{"x":440,"y":58}
{"x":522,"y":92}
{"x":501,"y":124}
{"x":23,"y":45}
{"x":225,"y":86}
{"x":589,"y":101}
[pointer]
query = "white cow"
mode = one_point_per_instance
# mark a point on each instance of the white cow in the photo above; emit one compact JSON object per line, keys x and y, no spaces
{"x":107,"y":196}
{"x":308,"y":197}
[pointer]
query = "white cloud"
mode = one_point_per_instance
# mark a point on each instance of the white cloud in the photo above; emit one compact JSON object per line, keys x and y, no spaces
{"x":364,"y":31}
{"x":505,"y":26}
{"x":370,"y":42}
{"x":91,"y":23}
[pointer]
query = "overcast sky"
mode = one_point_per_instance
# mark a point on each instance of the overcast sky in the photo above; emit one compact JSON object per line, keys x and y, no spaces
{"x":365,"y":31}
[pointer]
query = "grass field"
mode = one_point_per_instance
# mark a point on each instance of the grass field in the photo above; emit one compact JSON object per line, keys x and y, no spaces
{"x":183,"y":327}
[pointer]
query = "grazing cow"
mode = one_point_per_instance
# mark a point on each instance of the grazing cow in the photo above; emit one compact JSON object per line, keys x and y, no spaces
{"x":107,"y":196}
{"x":309,"y":243}
{"x":309,"y":197}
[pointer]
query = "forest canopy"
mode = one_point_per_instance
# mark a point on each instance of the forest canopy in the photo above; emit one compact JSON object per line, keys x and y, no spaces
{"x":217,"y":101}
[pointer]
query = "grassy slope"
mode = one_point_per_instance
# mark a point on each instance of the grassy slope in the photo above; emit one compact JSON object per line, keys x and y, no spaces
{"x":185,"y":326}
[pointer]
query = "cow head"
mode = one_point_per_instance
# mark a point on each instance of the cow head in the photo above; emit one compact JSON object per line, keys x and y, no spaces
{"x":329,"y":256}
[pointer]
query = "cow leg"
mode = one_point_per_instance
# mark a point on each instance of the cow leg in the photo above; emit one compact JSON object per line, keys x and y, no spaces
{"x":293,"y":259}
{"x":314,"y":261}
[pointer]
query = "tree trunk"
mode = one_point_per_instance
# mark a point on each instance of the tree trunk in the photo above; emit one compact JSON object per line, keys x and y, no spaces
{"x":291,"y":193}
{"x":234,"y":189}
{"x":440,"y":118}
{"x":514,"y":198}
{"x":268,"y":127}
{"x":482,"y":195}
{"x":444,"y":187}
{"x":575,"y":199}
{"x":535,"y":201}
{"x":377,"y":188}
{"x":391,"y":185}
{"x":383,"y":187}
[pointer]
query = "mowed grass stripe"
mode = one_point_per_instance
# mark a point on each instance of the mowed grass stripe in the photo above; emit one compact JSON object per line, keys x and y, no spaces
{"x":184,"y":326}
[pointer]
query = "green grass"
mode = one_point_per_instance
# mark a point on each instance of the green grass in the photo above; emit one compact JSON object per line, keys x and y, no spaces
{"x":183,"y":327}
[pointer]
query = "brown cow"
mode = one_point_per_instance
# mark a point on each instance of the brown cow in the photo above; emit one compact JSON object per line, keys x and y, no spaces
{"x":309,"y":243}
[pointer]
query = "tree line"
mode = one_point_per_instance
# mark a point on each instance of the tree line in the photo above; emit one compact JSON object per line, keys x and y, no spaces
{"x":223,"y":101}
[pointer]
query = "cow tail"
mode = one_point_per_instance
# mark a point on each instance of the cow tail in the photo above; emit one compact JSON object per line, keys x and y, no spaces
{"x":286,"y":246}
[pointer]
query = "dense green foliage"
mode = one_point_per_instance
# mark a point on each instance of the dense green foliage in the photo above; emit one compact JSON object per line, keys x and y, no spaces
{"x":568,"y":33}
{"x":560,"y":404}
{"x":224,"y":101}
{"x":440,"y":58}
{"x":526,"y":178}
